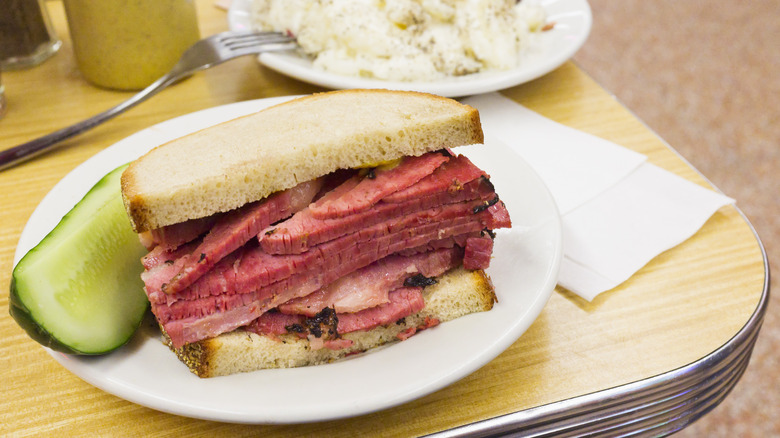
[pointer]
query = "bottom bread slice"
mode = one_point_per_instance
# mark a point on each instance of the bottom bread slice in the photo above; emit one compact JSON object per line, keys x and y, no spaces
{"x":457,"y":293}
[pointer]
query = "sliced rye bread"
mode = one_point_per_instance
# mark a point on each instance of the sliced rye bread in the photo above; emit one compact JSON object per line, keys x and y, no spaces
{"x":246,"y":159}
{"x":457,"y":293}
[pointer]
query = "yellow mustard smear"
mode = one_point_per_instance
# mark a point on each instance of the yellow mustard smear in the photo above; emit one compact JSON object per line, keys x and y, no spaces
{"x":128,"y":44}
{"x":382,"y":165}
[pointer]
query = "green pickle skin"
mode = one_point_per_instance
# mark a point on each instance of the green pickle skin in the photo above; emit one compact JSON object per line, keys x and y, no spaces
{"x":65,"y":309}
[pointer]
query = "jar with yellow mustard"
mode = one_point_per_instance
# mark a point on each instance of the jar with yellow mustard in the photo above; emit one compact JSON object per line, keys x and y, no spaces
{"x":128,"y":44}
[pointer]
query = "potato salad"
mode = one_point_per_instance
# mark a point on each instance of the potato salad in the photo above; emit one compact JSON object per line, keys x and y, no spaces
{"x":406,"y":40}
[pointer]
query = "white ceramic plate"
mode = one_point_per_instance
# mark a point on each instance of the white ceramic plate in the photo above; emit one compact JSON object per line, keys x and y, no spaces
{"x":524,"y":272}
{"x":572,"y":20}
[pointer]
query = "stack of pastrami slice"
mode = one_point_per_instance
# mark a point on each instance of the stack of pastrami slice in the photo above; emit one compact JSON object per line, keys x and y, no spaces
{"x":346,"y":252}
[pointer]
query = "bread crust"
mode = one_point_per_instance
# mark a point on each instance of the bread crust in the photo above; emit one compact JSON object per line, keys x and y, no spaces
{"x":246,"y":159}
{"x":458,"y":292}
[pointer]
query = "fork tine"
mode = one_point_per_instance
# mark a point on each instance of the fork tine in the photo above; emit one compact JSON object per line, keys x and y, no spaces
{"x":245,"y":35}
{"x":259,"y":42}
{"x":246,"y":43}
{"x":247,"y":40}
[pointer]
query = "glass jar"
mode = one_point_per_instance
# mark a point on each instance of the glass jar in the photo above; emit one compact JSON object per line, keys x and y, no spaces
{"x":26,"y":34}
{"x":2,"y":99}
{"x":128,"y":44}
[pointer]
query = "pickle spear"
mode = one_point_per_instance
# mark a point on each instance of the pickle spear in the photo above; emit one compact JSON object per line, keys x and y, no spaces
{"x":79,"y":291}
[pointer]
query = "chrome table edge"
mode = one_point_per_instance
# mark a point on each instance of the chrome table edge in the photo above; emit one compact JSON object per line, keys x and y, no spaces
{"x":655,"y":406}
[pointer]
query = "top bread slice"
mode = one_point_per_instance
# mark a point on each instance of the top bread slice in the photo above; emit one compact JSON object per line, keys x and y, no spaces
{"x":246,"y":159}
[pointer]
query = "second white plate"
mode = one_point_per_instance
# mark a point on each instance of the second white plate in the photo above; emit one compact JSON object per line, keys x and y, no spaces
{"x":572,"y":18}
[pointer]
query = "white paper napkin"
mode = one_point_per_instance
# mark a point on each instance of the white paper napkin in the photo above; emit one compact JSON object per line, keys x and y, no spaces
{"x":618,"y":211}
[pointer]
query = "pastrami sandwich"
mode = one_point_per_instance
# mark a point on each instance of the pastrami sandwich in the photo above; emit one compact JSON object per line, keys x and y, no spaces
{"x":314,"y":229}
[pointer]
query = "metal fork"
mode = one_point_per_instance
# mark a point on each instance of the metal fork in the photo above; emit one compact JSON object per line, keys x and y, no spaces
{"x":205,"y":53}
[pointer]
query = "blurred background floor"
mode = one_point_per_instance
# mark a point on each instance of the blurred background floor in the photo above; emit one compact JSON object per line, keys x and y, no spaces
{"x":705,"y":76}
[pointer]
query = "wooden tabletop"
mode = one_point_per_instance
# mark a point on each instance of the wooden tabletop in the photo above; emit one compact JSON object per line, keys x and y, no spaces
{"x":682,"y":306}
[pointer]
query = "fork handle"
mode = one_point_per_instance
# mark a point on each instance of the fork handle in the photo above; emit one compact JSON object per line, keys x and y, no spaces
{"x":25,"y":151}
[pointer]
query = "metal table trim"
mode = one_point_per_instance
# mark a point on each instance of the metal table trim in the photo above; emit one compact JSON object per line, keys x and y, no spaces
{"x":656,"y":406}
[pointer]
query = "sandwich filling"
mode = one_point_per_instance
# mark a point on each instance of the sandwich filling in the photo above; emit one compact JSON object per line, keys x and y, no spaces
{"x":349,"y":251}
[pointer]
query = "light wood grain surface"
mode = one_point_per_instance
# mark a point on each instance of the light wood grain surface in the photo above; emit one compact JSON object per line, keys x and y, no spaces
{"x":683,"y":305}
